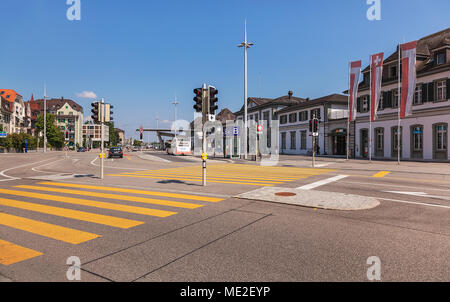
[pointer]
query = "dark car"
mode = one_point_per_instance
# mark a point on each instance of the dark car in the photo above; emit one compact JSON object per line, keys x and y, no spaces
{"x":115,"y":152}
{"x":81,"y":149}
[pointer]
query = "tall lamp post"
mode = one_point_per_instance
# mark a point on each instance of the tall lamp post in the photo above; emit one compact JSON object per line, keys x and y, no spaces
{"x":245,"y":45}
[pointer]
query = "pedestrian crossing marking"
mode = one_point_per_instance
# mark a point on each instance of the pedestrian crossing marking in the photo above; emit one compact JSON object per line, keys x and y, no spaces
{"x":117,"y":197}
{"x":253,"y":175}
{"x":135,"y":191}
{"x":381,"y":174}
{"x":112,"y":221}
{"x":46,"y":229}
{"x":11,"y":253}
{"x":92,"y":203}
{"x":209,"y":177}
{"x":190,"y":179}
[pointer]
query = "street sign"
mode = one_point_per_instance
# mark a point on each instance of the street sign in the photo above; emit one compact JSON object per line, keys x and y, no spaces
{"x":259,"y":129}
{"x":236,"y":131}
{"x":315,"y":134}
{"x":3,"y":134}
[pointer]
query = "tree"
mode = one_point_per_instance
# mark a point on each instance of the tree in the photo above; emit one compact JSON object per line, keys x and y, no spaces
{"x":137,"y":143}
{"x":113,"y":135}
{"x":55,"y":138}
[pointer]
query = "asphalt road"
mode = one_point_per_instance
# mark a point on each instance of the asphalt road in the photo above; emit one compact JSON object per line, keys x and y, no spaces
{"x":131,"y":227}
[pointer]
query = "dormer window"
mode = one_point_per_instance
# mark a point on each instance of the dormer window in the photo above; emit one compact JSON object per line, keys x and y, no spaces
{"x":440,"y":58}
{"x":393,"y":71}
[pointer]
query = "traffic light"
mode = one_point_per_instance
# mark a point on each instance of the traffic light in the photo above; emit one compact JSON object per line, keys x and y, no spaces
{"x":316,"y":126}
{"x":95,"y":112}
{"x":108,"y":113}
{"x":310,"y":126}
{"x":213,"y":100}
{"x":198,"y":99}
{"x":142,"y":137}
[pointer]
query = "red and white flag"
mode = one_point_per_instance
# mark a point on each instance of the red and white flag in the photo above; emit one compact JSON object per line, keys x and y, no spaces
{"x":376,"y":76}
{"x":408,"y":78}
{"x":355,"y":73}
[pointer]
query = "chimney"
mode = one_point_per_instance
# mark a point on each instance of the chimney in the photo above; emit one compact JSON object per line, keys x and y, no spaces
{"x":290,"y":93}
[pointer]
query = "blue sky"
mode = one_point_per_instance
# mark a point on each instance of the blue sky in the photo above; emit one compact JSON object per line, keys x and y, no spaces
{"x":140,"y":54}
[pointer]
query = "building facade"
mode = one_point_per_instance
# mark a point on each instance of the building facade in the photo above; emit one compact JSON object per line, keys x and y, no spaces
{"x":425,"y":134}
{"x":332,"y":113}
{"x":69,"y":117}
{"x":19,"y":121}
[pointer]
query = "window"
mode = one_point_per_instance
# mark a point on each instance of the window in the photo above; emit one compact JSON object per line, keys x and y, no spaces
{"x":418,"y":95}
{"x":283,"y":140}
{"x":440,"y":58}
{"x":303,"y":116}
{"x":381,"y":104}
{"x":395,"y":139}
{"x":395,"y":98}
{"x":393,"y":71}
{"x":283,"y":119}
{"x":365,"y":103}
{"x":441,"y":93}
{"x":315,"y":113}
{"x":70,"y":113}
{"x":293,"y":118}
{"x":441,"y":139}
{"x":266,"y":116}
{"x":379,"y":139}
{"x":418,"y":138}
{"x":293,"y":140}
{"x":303,"y":140}
{"x":257,"y":117}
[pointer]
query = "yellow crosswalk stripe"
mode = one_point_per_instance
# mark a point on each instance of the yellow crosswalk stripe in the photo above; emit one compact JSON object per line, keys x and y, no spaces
{"x":135,"y":191}
{"x":91,"y":203}
{"x":228,"y":175}
{"x":381,"y":174}
{"x":117,"y":197}
{"x":46,"y":229}
{"x":190,"y":179}
{"x":11,"y":253}
{"x":73,"y":214}
{"x":209,"y":177}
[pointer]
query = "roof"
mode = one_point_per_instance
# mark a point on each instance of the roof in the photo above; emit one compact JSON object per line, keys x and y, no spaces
{"x":285,"y":100}
{"x":332,"y":98}
{"x":55,"y":104}
{"x":425,"y":47}
{"x":5,"y":105}
{"x":225,"y":115}
{"x":10,"y":95}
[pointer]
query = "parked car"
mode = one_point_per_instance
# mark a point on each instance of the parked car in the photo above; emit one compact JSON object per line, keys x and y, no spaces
{"x":115,"y":152}
{"x":81,"y":149}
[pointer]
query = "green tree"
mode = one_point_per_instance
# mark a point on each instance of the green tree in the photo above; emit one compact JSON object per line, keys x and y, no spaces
{"x":55,"y":138}
{"x":137,"y":143}
{"x":113,"y":135}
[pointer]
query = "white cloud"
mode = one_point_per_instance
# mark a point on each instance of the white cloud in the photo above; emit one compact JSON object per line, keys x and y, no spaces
{"x":87,"y":95}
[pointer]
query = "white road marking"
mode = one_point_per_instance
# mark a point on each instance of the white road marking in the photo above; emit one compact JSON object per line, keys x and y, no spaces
{"x":2,"y":173}
{"x":35,"y":169}
{"x":122,"y":168}
{"x":323,"y":182}
{"x":391,"y":185}
{"x":416,"y":203}
{"x":420,"y":194}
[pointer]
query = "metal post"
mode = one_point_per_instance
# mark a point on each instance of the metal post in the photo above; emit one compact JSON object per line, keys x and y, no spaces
{"x":205,"y":108}
{"x":245,"y":96}
{"x":370,"y":115}
{"x":102,"y":109}
{"x":399,"y":134}
{"x":45,"y":118}
{"x":348,"y":119}
{"x":314,"y":143}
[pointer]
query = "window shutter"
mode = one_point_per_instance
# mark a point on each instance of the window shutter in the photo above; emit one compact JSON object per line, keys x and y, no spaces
{"x":448,"y":88}
{"x":368,"y":102}
{"x":424,"y":93}
{"x":389,"y":99}
{"x":385,"y":100}
{"x":358,"y":104}
{"x":431,"y":92}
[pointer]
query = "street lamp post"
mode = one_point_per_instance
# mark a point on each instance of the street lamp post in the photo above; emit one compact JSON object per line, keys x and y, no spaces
{"x":245,"y":45}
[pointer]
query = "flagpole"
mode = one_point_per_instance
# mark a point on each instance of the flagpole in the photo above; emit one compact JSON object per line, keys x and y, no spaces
{"x":348,"y":120}
{"x":399,"y":133}
{"x":370,"y":115}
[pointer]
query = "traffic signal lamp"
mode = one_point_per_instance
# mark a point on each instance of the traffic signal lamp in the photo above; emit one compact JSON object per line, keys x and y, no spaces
{"x":213,"y":100}
{"x":95,"y":112}
{"x":310,"y":126}
{"x":108,"y":112}
{"x":142,"y":137}
{"x":315,"y":125}
{"x":198,"y":99}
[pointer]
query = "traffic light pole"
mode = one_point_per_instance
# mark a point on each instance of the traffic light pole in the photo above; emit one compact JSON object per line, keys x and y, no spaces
{"x":205,"y":109}
{"x":102,"y":109}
